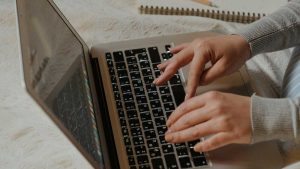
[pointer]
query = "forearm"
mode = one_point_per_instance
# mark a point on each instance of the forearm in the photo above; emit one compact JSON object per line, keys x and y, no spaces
{"x":275,"y":119}
{"x":274,"y":32}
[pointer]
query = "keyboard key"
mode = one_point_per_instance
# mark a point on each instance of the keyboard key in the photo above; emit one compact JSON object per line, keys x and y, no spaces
{"x":121,"y":65}
{"x":167,"y":47}
{"x":121,"y":113}
{"x":123,"y":122}
{"x":115,"y":87}
{"x":131,"y":160}
{"x":180,"y":145}
{"x":199,"y":161}
{"x":166,"y":98}
{"x":147,"y":125}
{"x":141,"y":99}
{"x":154,"y":152}
{"x":127,"y":97}
{"x":126,"y":89}
{"x":160,"y":121}
{"x":110,"y":63}
{"x":117,"y":95}
{"x":157,"y":163}
{"x":185,"y":162}
{"x":162,"y":130}
{"x":181,"y":151}
{"x":118,"y":56}
{"x":119,"y":104}
{"x":133,"y":68}
{"x":151,"y":87}
{"x":111,"y":71}
{"x":148,"y":79}
{"x":136,"y":131}
{"x":122,"y":73}
{"x":167,"y":148}
{"x":133,"y":52}
{"x":147,"y":72}
{"x":171,"y":161}
{"x":144,"y":166}
{"x":137,"y":83}
{"x":129,"y":150}
{"x":142,"y":159}
{"x":139,"y":150}
{"x":127,"y":141}
{"x":142,"y":56}
{"x":196,"y":154}
{"x":134,"y":122}
{"x":154,"y":55}
{"x":113,"y":79}
{"x":131,"y":60}
{"x":132,"y":114}
{"x":162,"y":139}
{"x":144,"y":64}
{"x":151,"y":143}
{"x":145,"y":116}
{"x":153,"y":96}
{"x":169,"y":106}
{"x":125,"y":131}
{"x":139,"y":91}
{"x":179,"y":92}
{"x":157,"y":112}
{"x":138,"y":140}
{"x":133,"y":167}
{"x":155,"y":104}
{"x":175,"y":79}
{"x":129,"y":105}
{"x":135,"y":75}
{"x":149,"y":134}
{"x":124,"y":80}
{"x":108,"y":56}
{"x":164,"y":90}
{"x":143,"y":108}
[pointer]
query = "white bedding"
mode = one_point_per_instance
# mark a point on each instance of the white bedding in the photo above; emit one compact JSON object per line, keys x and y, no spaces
{"x":29,"y":140}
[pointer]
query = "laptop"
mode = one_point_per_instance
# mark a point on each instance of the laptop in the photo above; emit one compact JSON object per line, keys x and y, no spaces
{"x":104,"y":101}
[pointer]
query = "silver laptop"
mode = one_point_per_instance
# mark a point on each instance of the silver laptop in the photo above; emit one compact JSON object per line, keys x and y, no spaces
{"x":104,"y":101}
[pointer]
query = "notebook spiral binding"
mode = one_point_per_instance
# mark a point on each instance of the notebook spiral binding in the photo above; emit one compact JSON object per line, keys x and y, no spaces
{"x":229,"y":16}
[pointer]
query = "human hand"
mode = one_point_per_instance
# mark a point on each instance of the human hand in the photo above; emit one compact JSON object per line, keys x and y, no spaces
{"x":223,"y":116}
{"x":227,"y":53}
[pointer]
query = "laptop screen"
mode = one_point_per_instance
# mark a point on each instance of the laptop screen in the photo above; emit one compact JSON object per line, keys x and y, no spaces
{"x":55,"y":72}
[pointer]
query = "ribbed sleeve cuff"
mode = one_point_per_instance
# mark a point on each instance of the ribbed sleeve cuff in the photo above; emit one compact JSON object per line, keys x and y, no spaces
{"x":271,"y":119}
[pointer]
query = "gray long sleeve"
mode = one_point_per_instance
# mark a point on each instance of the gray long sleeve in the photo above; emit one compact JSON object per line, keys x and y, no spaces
{"x":277,"y":118}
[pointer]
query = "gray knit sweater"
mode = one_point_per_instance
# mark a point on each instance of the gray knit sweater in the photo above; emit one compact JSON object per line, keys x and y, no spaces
{"x":277,"y":118}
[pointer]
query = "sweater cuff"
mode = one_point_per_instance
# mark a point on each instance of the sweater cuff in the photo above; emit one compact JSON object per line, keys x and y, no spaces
{"x":271,"y":119}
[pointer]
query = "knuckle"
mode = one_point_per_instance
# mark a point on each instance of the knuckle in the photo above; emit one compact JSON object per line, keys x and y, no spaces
{"x":213,"y":95}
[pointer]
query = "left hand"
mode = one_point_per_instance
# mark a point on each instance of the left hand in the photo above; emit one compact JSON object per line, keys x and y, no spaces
{"x":223,"y":116}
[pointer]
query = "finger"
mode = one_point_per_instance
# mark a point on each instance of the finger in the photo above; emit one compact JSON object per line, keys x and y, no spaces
{"x":177,"y":61}
{"x":163,"y":65}
{"x":185,"y":107}
{"x":211,"y":74}
{"x":214,"y":142}
{"x":178,"y":48}
{"x":191,"y":119}
{"x":192,"y":133}
{"x":195,"y":71}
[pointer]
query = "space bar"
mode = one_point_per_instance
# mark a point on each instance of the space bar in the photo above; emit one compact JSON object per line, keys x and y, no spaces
{"x":179,"y":94}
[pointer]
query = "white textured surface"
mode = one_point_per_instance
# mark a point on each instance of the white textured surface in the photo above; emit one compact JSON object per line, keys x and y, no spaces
{"x":28,"y":139}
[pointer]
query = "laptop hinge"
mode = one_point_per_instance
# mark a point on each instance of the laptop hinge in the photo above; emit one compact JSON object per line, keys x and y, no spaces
{"x":104,"y":115}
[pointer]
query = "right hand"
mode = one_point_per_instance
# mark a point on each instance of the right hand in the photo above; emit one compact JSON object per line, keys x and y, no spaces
{"x":227,"y":53}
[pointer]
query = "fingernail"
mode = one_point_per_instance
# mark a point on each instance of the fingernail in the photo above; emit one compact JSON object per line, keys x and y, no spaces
{"x":168,"y":131}
{"x":154,"y":81}
{"x":186,"y":97}
{"x":168,"y":137}
{"x":197,"y":149}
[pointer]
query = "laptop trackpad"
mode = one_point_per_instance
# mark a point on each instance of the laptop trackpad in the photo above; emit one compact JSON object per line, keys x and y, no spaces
{"x":262,"y":155}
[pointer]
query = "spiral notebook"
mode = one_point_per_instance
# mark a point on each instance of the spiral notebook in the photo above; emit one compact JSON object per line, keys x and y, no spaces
{"x":243,"y":11}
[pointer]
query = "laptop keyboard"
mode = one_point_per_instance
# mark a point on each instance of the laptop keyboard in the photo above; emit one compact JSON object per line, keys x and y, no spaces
{"x":143,"y":109}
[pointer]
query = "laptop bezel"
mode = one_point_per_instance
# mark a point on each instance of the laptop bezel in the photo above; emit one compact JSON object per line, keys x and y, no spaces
{"x":21,"y":32}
